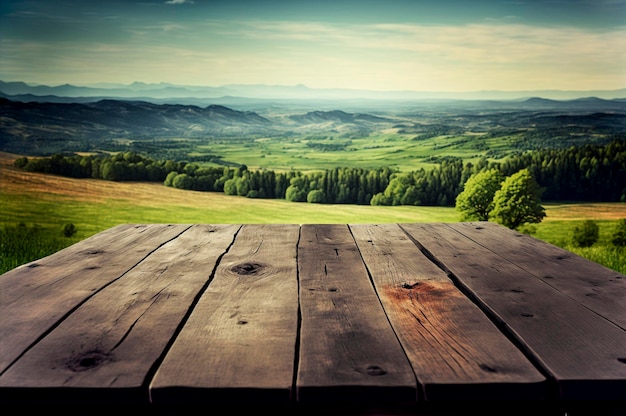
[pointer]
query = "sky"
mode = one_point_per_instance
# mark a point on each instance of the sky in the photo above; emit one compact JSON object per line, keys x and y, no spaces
{"x":388,"y":45}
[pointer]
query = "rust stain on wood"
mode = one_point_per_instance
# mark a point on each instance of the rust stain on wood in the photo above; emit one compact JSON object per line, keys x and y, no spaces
{"x":422,"y":291}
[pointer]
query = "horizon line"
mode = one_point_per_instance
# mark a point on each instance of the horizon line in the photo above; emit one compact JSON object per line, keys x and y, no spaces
{"x":298,"y":85}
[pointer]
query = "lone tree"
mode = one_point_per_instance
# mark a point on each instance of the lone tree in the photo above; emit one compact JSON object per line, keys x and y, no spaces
{"x":518,"y":201}
{"x":475,"y":202}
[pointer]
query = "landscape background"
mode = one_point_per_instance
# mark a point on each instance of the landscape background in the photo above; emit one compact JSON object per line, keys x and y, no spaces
{"x":420,"y":89}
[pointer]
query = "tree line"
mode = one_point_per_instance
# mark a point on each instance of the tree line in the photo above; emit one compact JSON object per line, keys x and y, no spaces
{"x":579,"y":173}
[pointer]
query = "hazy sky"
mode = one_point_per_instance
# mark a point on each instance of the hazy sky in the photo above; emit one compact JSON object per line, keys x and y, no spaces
{"x":442,"y":45}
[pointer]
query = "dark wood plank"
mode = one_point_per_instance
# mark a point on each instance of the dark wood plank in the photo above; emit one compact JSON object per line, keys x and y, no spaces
{"x":598,"y":288}
{"x":348,"y":350}
{"x":456,"y":351}
{"x":582,"y":351}
{"x":106,"y":348}
{"x":36,"y":296}
{"x":239,"y":344}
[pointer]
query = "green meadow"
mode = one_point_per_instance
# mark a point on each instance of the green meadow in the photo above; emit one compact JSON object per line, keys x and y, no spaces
{"x":34,"y":208}
{"x":386,"y":148}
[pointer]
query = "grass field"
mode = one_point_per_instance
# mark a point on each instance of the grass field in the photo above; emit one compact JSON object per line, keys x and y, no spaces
{"x":385,"y":148}
{"x":48,"y":202}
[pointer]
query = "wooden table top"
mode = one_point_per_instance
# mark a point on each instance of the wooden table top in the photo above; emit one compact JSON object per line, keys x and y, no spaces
{"x":418,"y":314}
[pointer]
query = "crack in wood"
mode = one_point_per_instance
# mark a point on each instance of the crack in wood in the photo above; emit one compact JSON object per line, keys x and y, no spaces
{"x":258,"y":247}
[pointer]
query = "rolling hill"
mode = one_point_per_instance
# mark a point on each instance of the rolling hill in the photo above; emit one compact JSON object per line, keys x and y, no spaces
{"x":118,"y":118}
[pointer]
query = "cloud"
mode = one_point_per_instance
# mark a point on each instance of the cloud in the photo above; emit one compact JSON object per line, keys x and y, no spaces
{"x":485,"y":44}
{"x":486,"y":55}
{"x":179,"y":2}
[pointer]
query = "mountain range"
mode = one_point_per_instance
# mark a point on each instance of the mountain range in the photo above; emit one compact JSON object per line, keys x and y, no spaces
{"x":145,"y":111}
{"x":187,"y":94}
{"x":107,"y":119}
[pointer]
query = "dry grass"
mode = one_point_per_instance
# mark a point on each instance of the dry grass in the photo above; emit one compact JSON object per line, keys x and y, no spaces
{"x":14,"y":181}
{"x":582,"y":211}
{"x":96,"y":204}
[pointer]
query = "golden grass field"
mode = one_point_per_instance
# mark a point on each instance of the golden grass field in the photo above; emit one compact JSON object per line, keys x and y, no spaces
{"x":97,"y":204}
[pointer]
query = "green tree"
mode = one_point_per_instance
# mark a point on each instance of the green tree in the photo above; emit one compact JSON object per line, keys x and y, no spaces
{"x":230,"y":186}
{"x":316,"y":196}
{"x":475,"y":202}
{"x":183,"y":181}
{"x":243,"y":185}
{"x":518,"y":201}
{"x":298,"y":190}
{"x":295,"y":194}
{"x":585,"y":235}
{"x":169,"y":179}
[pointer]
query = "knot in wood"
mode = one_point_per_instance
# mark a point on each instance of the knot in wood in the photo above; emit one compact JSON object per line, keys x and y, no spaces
{"x":409,"y":285}
{"x":246,"y":268}
{"x":374,"y":370}
{"x":487,"y":368}
{"x":88,"y":361}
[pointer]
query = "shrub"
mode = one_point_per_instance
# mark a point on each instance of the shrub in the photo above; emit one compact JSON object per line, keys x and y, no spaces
{"x":586,"y":235}
{"x":20,"y":162}
{"x":619,"y":234}
{"x":253,"y":193}
{"x":69,"y":230}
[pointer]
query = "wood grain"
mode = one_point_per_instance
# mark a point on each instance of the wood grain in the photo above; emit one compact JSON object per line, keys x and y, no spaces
{"x":456,"y":351}
{"x":327,"y":318}
{"x":348,"y":350}
{"x":106,"y":348}
{"x":582,"y":351}
{"x":239,"y":342}
{"x":596,"y":287}
{"x":38,"y":295}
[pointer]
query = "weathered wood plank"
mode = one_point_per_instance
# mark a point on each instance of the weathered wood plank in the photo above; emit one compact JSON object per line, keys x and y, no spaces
{"x":456,"y":351}
{"x":582,"y":351}
{"x":598,"y":288}
{"x":239,"y":343}
{"x":104,"y":350}
{"x":348,"y":350}
{"x":38,"y":295}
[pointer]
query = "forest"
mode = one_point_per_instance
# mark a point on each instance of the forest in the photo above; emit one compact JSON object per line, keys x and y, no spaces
{"x":590,"y":172}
